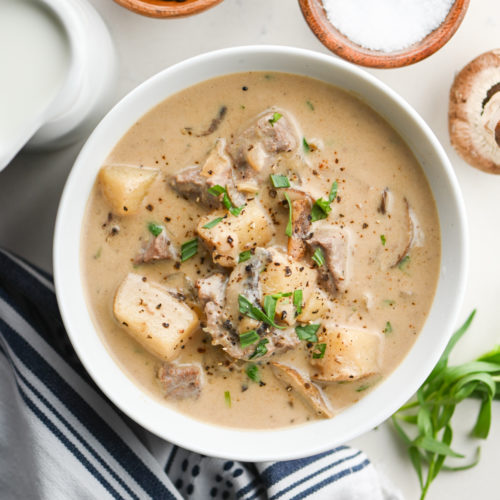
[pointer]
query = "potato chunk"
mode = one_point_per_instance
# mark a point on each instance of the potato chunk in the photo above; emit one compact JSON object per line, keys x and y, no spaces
{"x":153,"y":317}
{"x":125,"y":186}
{"x":310,"y":393}
{"x":284,"y":274}
{"x":234,"y":234}
{"x":350,"y":354}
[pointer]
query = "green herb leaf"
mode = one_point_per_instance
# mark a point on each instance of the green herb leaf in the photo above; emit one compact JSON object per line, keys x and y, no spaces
{"x":270,"y":306}
{"x":307,"y":332}
{"x":244,"y":256}
{"x":213,"y":223}
{"x":189,"y":249}
{"x":388,"y":327}
{"x":275,"y":118}
{"x":319,"y":257}
{"x":362,"y":388}
{"x":253,"y":372}
{"x":434,"y":446}
{"x":321,"y":207}
{"x":297,"y":301}
{"x":248,"y":309}
{"x":227,"y":398}
{"x":319,"y":351}
{"x":279,"y":181}
{"x":288,"y":230}
{"x":382,"y":239}
{"x":217,"y":190}
{"x":155,"y":229}
{"x":405,"y":262}
{"x":310,"y":105}
{"x":260,"y":350}
{"x":249,"y":338}
{"x":305,"y":145}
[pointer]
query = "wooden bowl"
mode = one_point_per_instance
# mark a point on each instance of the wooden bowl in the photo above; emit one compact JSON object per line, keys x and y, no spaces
{"x":337,"y":42}
{"x":167,"y":8}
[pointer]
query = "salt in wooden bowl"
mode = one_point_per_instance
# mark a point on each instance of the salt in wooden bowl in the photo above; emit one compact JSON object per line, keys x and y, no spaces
{"x":315,"y":16}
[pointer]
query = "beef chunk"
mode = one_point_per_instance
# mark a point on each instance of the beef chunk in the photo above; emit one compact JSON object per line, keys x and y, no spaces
{"x":157,"y":248}
{"x":180,"y":381}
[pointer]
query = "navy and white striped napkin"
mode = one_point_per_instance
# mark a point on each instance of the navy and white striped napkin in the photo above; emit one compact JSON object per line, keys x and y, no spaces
{"x":60,"y":438}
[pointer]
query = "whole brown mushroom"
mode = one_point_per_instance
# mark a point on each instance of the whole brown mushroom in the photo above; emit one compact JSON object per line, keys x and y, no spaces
{"x":474,"y":113}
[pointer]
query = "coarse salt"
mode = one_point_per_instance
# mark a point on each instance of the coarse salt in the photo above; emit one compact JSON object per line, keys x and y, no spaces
{"x":386,"y":25}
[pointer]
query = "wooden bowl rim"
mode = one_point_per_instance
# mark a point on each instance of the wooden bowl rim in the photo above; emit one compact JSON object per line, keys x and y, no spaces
{"x":341,"y":45}
{"x":167,"y":8}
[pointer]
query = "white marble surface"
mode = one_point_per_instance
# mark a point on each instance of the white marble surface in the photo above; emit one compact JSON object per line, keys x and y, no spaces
{"x":31,"y":186}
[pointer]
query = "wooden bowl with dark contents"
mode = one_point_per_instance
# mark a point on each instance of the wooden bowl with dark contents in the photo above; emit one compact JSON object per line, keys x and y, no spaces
{"x":167,"y":8}
{"x":316,"y":17}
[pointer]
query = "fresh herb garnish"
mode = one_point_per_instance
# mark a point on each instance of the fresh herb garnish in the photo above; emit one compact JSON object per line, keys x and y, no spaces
{"x":253,"y":372}
{"x":429,"y":414}
{"x":310,"y":105}
{"x":249,"y":338}
{"x":362,"y":388}
{"x":155,"y":229}
{"x":305,"y":145}
{"x":405,"y":262}
{"x":227,"y":398}
{"x":297,"y":301}
{"x":246,"y":255}
{"x":382,"y":239}
{"x":213,"y":223}
{"x":389,"y":302}
{"x":280,"y":181}
{"x":319,"y":257}
{"x":307,"y":332}
{"x":248,"y":309}
{"x":189,"y":249}
{"x":275,"y":118}
{"x":319,"y":351}
{"x":321,"y":207}
{"x":260,"y":350}
{"x":288,"y":230}
{"x":388,"y":327}
{"x":217,"y":190}
{"x":270,"y":302}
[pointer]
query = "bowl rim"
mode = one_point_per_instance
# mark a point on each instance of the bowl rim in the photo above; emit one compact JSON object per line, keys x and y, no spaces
{"x":167,"y":8}
{"x":334,"y":40}
{"x":246,"y":445}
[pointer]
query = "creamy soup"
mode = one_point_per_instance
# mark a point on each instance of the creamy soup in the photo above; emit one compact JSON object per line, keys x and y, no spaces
{"x":260,"y":250}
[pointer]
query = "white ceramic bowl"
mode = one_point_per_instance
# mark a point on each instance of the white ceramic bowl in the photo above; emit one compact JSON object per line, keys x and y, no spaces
{"x":292,"y":442}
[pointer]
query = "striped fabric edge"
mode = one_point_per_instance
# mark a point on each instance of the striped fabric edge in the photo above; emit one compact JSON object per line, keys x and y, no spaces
{"x":54,"y":418}
{"x":133,"y":460}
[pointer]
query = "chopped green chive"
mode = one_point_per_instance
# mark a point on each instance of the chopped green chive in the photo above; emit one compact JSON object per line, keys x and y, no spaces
{"x":248,"y":338}
{"x":305,"y":145}
{"x":319,"y":351}
{"x":217,"y":190}
{"x":362,"y":388}
{"x":155,"y":229}
{"x":319,"y":257}
{"x":297,"y":301}
{"x":389,"y":302}
{"x":307,"y":332}
{"x":253,"y":372}
{"x":248,"y":309}
{"x":213,"y":223}
{"x":321,"y":207}
{"x":275,"y":118}
{"x":288,"y":230}
{"x":382,"y":239}
{"x":246,"y":255}
{"x":388,"y":327}
{"x":260,"y":350}
{"x":280,"y":181}
{"x":405,"y":262}
{"x":310,"y":105}
{"x":227,"y":398}
{"x":98,"y":253}
{"x":189,"y":249}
